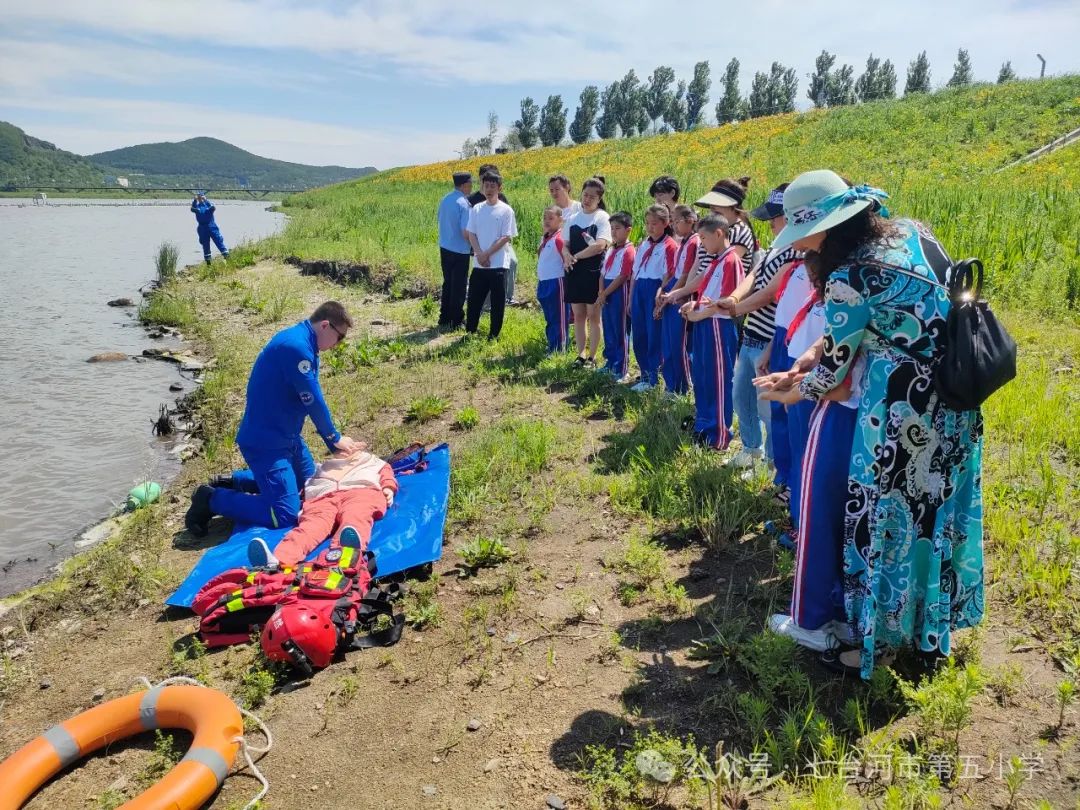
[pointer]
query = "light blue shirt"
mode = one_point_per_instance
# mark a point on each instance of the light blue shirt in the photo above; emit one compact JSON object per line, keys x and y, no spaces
{"x":453,"y":219}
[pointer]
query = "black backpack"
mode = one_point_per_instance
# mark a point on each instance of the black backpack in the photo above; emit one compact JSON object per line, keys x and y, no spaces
{"x":976,"y":355}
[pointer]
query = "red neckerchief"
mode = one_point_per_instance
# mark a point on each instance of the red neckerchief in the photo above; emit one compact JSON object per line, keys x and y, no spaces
{"x":680,"y":257}
{"x":615,"y":251}
{"x":548,"y":238}
{"x":709,"y":274}
{"x":800,"y":316}
{"x":784,"y":279}
{"x":649,"y":252}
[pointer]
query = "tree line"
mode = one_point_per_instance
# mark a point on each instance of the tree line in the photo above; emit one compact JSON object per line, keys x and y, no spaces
{"x":663,"y":103}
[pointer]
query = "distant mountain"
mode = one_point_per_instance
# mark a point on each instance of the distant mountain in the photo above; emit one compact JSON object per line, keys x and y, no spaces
{"x":214,"y":163}
{"x":25,"y":160}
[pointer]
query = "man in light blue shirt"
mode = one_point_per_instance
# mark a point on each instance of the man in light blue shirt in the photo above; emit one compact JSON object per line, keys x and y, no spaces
{"x":454,"y":251}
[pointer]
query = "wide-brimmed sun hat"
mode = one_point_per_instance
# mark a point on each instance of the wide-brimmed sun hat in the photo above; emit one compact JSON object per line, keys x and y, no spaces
{"x":818,"y":200}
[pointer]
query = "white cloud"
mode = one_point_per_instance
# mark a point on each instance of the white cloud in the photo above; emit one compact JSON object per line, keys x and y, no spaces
{"x":113,"y":123}
{"x":563,"y":41}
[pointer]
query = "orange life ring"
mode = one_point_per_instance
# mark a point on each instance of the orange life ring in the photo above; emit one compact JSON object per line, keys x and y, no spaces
{"x":207,"y":713}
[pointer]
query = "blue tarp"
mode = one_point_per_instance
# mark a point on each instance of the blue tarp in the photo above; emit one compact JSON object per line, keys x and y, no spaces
{"x":411,"y":534}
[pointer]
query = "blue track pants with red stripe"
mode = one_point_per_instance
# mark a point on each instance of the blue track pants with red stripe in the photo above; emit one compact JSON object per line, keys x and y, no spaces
{"x":615,"y":318}
{"x":818,"y":596}
{"x":552,"y":298}
{"x":712,"y":367}
{"x":674,"y":351}
{"x":645,"y":329}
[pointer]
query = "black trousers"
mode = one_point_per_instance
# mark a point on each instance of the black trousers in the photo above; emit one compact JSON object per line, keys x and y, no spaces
{"x":455,"y":275}
{"x":487,"y":280}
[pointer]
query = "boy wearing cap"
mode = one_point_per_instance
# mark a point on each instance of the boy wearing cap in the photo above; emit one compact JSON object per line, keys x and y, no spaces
{"x":454,"y":251}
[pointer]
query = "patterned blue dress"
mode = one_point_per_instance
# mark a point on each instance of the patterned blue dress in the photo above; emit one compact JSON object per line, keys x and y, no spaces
{"x":913,"y":554}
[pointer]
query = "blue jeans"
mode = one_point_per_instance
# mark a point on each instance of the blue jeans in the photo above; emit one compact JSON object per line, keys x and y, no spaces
{"x":279,"y":476}
{"x":751,"y":411}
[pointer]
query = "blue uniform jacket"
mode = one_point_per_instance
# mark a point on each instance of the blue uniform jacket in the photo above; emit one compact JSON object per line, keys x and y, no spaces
{"x":282,"y":390}
{"x":204,"y":214}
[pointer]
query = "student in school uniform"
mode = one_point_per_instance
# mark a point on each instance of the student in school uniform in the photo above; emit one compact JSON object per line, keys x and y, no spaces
{"x":492,"y":226}
{"x":715,"y":340}
{"x":614,"y":298}
{"x":550,"y":281}
{"x":655,"y":261}
{"x":674,"y":329}
{"x":755,"y":299}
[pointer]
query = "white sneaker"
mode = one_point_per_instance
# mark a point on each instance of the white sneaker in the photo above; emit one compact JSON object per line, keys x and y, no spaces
{"x":260,"y":555}
{"x":843,"y":632}
{"x":816,"y":640}
{"x":747,"y":458}
{"x":644,"y":385}
{"x":626,"y":379}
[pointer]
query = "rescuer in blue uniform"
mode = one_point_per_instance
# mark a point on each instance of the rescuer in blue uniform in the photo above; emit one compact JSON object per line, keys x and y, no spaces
{"x":206,"y":228}
{"x":282,"y":391}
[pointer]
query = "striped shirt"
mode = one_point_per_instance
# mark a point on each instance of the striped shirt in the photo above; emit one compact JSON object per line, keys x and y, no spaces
{"x":740,"y":234}
{"x":761,"y":323}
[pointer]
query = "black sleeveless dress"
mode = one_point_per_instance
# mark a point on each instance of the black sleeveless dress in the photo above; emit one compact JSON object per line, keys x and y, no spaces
{"x":583,"y":279}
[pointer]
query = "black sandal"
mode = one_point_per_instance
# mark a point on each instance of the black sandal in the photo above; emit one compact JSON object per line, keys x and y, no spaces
{"x":579,"y":360}
{"x":830,"y":659}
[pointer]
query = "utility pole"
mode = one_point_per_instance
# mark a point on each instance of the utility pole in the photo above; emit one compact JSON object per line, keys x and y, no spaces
{"x":1042,"y":72}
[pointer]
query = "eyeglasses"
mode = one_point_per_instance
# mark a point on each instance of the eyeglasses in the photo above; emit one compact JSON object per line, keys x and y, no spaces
{"x":340,"y":334}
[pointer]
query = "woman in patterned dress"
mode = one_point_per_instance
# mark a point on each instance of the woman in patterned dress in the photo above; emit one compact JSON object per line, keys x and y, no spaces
{"x":912,"y":552}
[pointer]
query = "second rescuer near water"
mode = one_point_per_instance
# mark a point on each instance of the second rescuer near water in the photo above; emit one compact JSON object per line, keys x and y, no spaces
{"x":282,"y":391}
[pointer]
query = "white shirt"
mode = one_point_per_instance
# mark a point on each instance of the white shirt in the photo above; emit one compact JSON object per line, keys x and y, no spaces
{"x":570,"y":210}
{"x":808,"y":332}
{"x":619,"y":257}
{"x":654,"y":259}
{"x":490,"y":223}
{"x":795,"y":294}
{"x":549,"y":264}
{"x":585,"y":221}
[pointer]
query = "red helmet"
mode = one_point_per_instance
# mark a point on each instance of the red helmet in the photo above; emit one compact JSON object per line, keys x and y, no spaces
{"x":299,"y":635}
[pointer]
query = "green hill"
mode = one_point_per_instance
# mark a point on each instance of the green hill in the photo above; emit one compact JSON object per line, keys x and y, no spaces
{"x":25,"y":160}
{"x":937,"y":154}
{"x":210,"y":162}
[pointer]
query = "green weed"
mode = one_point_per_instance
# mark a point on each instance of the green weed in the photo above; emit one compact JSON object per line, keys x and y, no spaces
{"x":645,"y":574}
{"x":467,"y":418}
{"x":167,"y":307}
{"x":165,"y":262}
{"x":167,"y":752}
{"x":421,"y":609}
{"x":942,"y":704}
{"x":484,"y":552}
{"x":644,"y":776}
{"x":426,"y":408}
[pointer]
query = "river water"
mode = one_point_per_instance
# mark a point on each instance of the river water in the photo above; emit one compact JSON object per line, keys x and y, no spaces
{"x":75,"y":437}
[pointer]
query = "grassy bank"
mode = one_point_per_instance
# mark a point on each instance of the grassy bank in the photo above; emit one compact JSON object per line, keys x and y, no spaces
{"x":608,"y":631}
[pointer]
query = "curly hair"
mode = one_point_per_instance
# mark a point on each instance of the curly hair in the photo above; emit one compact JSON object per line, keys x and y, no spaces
{"x":843,"y":241}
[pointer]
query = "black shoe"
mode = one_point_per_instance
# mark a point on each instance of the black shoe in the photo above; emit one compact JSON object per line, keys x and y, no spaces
{"x":579,"y":360}
{"x":199,"y":513}
{"x":223,"y":482}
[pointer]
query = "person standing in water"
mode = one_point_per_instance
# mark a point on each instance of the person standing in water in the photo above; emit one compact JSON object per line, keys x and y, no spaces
{"x":207,"y":229}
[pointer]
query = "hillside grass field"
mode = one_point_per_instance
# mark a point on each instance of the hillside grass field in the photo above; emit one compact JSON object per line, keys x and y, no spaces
{"x":611,"y":637}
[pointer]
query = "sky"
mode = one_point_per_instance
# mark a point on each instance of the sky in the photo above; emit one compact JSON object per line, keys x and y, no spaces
{"x":386,"y":84}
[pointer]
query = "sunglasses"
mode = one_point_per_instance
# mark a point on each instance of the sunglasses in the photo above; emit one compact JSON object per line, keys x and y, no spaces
{"x":340,"y":334}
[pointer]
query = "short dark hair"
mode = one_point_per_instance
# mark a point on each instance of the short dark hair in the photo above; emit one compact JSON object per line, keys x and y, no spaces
{"x":714,"y":223}
{"x":332,"y":311}
{"x":461,"y":178}
{"x":491,"y":177}
{"x":561,"y":179}
{"x":665,"y":184}
{"x":485,"y":168}
{"x":685,"y":212}
{"x":621,"y":218}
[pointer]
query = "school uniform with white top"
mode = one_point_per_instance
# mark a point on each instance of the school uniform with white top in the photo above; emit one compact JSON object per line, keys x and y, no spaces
{"x":655,"y":261}
{"x":674,"y":351}
{"x":550,"y":290}
{"x":615,"y":314}
{"x":489,"y":223}
{"x":715,"y":343}
{"x":805,"y":328}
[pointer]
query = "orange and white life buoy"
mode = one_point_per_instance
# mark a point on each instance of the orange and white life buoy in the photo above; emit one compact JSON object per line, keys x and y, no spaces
{"x":207,"y":713}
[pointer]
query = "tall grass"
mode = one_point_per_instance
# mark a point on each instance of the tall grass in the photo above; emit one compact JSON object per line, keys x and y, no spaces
{"x":165,"y":262}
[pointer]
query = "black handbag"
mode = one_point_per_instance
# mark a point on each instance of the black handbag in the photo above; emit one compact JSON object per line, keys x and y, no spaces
{"x":976,"y":355}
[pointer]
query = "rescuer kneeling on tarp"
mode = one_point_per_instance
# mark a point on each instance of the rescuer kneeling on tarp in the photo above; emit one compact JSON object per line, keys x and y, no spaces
{"x":282,"y":391}
{"x":207,"y":229}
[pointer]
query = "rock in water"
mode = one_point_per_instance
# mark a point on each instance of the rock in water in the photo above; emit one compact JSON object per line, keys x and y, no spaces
{"x":107,"y":357}
{"x":121,"y":302}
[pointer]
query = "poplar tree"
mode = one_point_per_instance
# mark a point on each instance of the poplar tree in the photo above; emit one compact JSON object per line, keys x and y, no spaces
{"x":730,"y":104}
{"x":607,"y":125}
{"x":1006,"y":74}
{"x":585,"y":115}
{"x":918,"y":75}
{"x":552,"y":126}
{"x":961,"y":76}
{"x":526,"y":124}
{"x":658,"y":93}
{"x":697,"y":94}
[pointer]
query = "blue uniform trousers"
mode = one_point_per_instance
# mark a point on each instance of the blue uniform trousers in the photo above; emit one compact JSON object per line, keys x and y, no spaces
{"x":798,"y":428}
{"x":818,"y":596}
{"x":781,"y":447}
{"x":712,"y":366}
{"x":645,"y":329}
{"x":208,"y":232}
{"x":615,"y":318}
{"x":279,"y":477}
{"x":552,"y":298}
{"x":674,"y":351}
